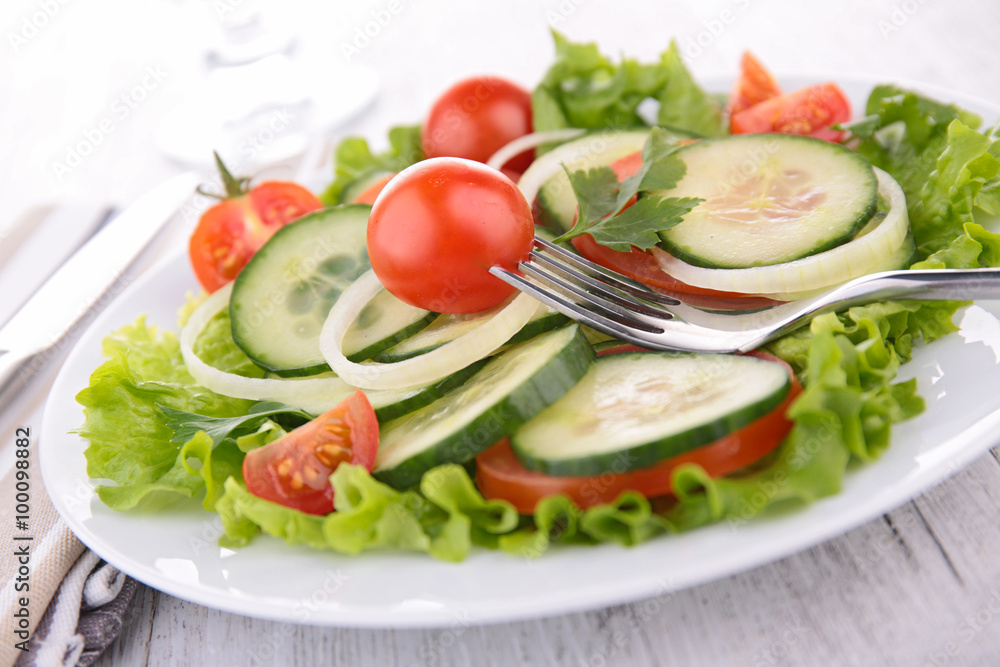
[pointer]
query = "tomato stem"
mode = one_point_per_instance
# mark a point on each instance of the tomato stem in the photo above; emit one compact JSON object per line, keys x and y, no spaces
{"x":235,"y":187}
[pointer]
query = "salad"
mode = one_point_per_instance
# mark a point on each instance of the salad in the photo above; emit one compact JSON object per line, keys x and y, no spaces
{"x":355,"y":379}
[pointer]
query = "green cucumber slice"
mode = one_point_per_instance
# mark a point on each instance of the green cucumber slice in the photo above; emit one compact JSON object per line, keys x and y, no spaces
{"x":282,"y":296}
{"x":556,"y":204}
{"x":447,"y":327}
{"x":769,"y":199}
{"x":392,"y":404}
{"x":635,"y":409}
{"x":510,"y":389}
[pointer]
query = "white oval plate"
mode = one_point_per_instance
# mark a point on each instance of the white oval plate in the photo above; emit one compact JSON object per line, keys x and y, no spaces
{"x":174,"y":549}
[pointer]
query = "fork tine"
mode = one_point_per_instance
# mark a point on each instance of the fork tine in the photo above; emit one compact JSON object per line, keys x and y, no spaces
{"x":604,"y":323}
{"x":596,"y":287}
{"x":619,"y":310}
{"x":598,"y":272}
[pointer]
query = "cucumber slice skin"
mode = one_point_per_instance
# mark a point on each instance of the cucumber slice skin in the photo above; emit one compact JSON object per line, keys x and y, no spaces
{"x":545,"y":386}
{"x":651,"y":452}
{"x":556,"y":203}
{"x":427,"y":395}
{"x":547,"y":322}
{"x":376,"y":348}
{"x":533,"y":328}
{"x":849,"y":228}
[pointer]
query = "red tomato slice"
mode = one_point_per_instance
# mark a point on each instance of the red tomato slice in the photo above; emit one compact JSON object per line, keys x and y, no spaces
{"x":477,"y":117}
{"x":627,"y":166}
{"x":642,"y":266}
{"x":754,"y":86}
{"x":499,"y":475}
{"x":807,"y":111}
{"x":439,"y":226}
{"x":294,"y":470}
{"x":230,"y":232}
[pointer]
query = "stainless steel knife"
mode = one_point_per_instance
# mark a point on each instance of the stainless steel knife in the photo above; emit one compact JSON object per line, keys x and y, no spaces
{"x":75,"y":288}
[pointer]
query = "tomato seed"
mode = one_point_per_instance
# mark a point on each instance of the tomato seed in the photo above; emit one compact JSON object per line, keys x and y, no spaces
{"x":332,"y":455}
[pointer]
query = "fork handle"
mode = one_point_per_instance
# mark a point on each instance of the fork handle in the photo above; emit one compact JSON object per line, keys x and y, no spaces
{"x":920,"y":284}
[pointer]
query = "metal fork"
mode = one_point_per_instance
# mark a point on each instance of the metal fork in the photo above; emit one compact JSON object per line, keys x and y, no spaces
{"x":630,"y":311}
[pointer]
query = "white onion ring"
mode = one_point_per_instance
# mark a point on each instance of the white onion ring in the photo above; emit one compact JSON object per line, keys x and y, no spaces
{"x":858,"y":257}
{"x":898,"y":260}
{"x":521,"y":144}
{"x":429,"y":367}
{"x":314,"y":395}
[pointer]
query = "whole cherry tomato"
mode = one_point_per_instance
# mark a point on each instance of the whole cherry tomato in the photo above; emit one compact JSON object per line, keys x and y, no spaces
{"x":477,"y":117}
{"x":438,"y":227}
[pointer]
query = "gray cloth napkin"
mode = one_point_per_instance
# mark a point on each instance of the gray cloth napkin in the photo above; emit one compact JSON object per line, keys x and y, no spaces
{"x":63,"y":573}
{"x":84,"y":617}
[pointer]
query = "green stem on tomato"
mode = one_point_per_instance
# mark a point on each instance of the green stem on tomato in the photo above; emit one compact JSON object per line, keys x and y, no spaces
{"x":235,"y":187}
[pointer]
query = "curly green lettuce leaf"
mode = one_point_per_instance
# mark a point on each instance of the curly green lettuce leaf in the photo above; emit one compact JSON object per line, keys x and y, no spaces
{"x":216,"y":347}
{"x":684,"y":104}
{"x":444,"y":519}
{"x":628,"y":521}
{"x":131,"y":443}
{"x":266,"y":433}
{"x":245,"y":515}
{"x":556,"y":520}
{"x":947,"y":168}
{"x":216,"y":464}
{"x":354,"y":160}
{"x":470,"y":517}
{"x":975,"y":248}
{"x":370,"y":515}
{"x":582,"y":88}
{"x":585,"y":89}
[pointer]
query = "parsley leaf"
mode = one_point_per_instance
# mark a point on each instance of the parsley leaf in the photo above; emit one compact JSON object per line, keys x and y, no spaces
{"x":597,"y":191}
{"x":640,"y":224}
{"x":661,"y":169}
{"x":603,"y":200}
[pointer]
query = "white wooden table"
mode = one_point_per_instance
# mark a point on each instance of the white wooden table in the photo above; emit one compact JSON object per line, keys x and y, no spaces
{"x":918,"y":586}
